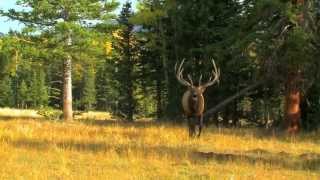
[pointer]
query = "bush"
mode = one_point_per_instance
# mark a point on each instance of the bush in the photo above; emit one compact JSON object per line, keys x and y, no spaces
{"x":50,"y":113}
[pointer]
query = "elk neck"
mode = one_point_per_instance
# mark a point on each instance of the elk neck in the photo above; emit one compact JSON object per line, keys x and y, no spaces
{"x":193,"y":101}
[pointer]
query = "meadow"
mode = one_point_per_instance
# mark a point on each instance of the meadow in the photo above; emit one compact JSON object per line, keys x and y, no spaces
{"x":100,"y":147}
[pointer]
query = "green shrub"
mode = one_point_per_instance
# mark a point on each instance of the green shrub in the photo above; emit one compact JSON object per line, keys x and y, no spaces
{"x":50,"y":113}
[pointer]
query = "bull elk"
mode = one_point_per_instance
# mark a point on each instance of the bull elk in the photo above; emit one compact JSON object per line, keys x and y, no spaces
{"x":192,"y":99}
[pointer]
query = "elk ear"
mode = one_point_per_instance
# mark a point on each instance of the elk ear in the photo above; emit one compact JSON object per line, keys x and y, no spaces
{"x":190,"y":88}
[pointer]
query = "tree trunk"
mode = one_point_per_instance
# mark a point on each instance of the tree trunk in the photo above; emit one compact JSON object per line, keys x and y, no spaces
{"x":292,"y":111}
{"x":165,"y":65}
{"x":235,"y":113}
{"x":67,"y":89}
{"x":130,"y":101}
{"x":159,"y":98}
{"x":131,"y":106}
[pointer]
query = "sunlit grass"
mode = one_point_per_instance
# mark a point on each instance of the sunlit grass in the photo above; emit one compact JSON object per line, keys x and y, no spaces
{"x":108,"y":149}
{"x":94,"y":115}
{"x":18,"y":113}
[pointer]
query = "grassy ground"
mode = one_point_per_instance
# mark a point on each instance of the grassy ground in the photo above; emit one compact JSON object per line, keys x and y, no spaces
{"x":97,"y":149}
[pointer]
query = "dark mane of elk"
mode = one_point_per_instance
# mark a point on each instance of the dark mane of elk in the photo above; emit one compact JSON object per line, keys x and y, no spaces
{"x":192,"y":99}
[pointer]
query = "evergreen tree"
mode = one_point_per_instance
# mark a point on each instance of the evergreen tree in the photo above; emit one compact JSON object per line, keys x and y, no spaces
{"x":64,"y":24}
{"x":107,"y":87}
{"x":42,"y":88}
{"x":6,"y":93}
{"x":195,"y":31}
{"x":154,"y":72}
{"x":88,"y":98}
{"x":126,"y":49}
{"x":281,"y":41}
{"x":38,"y":90}
{"x":23,"y":95}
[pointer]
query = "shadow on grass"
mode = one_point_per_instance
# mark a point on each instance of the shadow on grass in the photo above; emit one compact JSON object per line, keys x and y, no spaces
{"x":267,"y":134}
{"x":9,"y":118}
{"x":306,"y":161}
{"x":137,"y":124}
{"x":96,"y":147}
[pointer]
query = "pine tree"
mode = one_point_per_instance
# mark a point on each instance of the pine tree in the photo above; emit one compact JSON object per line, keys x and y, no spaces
{"x":43,"y":97}
{"x":6,"y":93}
{"x":107,"y":87}
{"x":282,"y":34}
{"x":126,"y":49}
{"x":88,"y":98}
{"x":63,"y":24}
{"x":23,"y":95}
{"x":102,"y":84}
{"x":185,"y":29}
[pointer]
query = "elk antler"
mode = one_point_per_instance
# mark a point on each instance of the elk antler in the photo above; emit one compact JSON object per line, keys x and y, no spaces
{"x":214,"y":78}
{"x":200,"y":78}
{"x":179,"y":75}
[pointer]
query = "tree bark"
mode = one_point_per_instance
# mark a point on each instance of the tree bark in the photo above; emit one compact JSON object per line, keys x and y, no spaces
{"x":233,"y":97}
{"x":292,"y":112}
{"x":67,"y":77}
{"x":67,"y":89}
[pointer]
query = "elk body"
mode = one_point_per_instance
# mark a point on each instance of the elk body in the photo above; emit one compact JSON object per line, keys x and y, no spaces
{"x":193,"y":100}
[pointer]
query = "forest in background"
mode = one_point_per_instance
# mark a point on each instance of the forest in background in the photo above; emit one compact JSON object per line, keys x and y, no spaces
{"x":267,"y":52}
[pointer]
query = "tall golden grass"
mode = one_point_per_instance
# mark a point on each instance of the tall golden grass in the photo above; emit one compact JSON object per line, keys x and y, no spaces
{"x":107,"y":149}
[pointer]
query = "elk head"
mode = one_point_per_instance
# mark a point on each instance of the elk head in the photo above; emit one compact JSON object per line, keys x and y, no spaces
{"x":192,"y":99}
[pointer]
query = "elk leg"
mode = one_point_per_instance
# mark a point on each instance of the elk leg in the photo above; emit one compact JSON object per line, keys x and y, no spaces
{"x":200,"y":125}
{"x":192,"y":127}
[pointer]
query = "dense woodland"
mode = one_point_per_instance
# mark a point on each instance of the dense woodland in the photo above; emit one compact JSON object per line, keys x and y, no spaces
{"x":80,"y":55}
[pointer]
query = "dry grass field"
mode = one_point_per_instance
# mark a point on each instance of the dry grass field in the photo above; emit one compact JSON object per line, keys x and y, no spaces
{"x":93,"y":148}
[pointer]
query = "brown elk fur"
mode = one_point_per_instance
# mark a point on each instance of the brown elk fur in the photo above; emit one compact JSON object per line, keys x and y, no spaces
{"x":193,"y":102}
